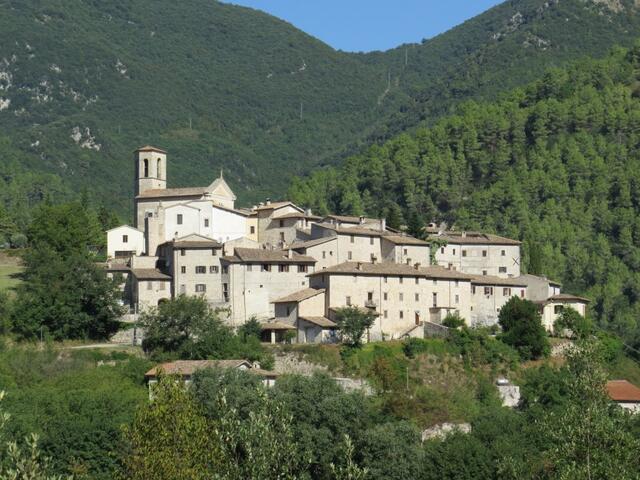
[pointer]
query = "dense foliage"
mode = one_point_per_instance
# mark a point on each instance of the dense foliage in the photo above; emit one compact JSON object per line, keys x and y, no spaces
{"x":224,"y":86}
{"x":353,"y":323}
{"x":554,"y":164}
{"x":522,"y":328}
{"x":188,"y":328}
{"x":65,"y":294}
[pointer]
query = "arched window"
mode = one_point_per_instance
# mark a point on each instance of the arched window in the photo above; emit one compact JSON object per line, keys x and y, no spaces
{"x":159,"y":175}
{"x":146,"y":168}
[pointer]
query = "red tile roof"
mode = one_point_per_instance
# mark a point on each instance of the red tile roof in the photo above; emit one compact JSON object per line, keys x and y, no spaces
{"x":623,"y":391}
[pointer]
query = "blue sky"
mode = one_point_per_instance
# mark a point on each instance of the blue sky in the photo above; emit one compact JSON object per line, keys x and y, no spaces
{"x":365,"y":25}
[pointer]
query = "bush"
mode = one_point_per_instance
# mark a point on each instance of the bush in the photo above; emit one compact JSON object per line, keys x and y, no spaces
{"x":453,"y":320}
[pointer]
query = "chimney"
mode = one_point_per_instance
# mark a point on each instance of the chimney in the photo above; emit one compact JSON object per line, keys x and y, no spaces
{"x":254,"y":207}
{"x":261,"y":204}
{"x":464,"y":234}
{"x":359,"y":266}
{"x":268,"y":201}
{"x":383,"y":224}
{"x":361,"y":220}
{"x":417,"y":266}
{"x":289,"y":253}
{"x":307,"y":212}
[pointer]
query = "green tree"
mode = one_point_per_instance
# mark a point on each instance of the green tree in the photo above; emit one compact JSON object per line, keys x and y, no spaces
{"x":522,"y":328}
{"x":22,"y":461}
{"x":353,"y":323}
{"x":251,"y":328}
{"x":170,"y":438}
{"x":349,"y":470}
{"x":453,"y":320}
{"x":185,"y":327}
{"x":569,"y":319}
{"x":590,"y":438}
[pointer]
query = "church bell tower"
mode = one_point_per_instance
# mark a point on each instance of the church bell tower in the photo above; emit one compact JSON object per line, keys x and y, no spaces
{"x":151,"y":169}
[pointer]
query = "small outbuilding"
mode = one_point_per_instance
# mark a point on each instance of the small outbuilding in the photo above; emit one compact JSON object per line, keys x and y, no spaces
{"x":625,"y":394}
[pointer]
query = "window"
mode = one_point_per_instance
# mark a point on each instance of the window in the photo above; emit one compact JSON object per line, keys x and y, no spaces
{"x":401,"y":314}
{"x":502,"y":269}
{"x":417,"y":280}
{"x":441,"y":249}
{"x":352,"y":239}
{"x":370,"y":296}
{"x":302,"y":269}
{"x":145,"y":164}
{"x":159,"y":168}
{"x":349,"y":255}
{"x":179,"y":219}
{"x":503,"y":253}
{"x":283,"y":268}
{"x":281,"y":223}
{"x":324,"y":254}
{"x":522,"y":293}
{"x":183,"y":269}
{"x":401,"y":296}
{"x":484,"y":272}
{"x":435,"y":281}
{"x":266,"y":267}
{"x":454,"y":251}
{"x":484,"y":253}
{"x":488,"y":290}
{"x":558,"y":309}
{"x":385,"y":279}
{"x":125,"y":238}
{"x":183,"y":252}
{"x":183,"y":289}
{"x":371,"y":240}
{"x":386,"y":314}
{"x":288,"y":310}
{"x":149,"y":285}
{"x":200,"y":269}
{"x":473,"y":289}
{"x":225,"y":270}
{"x":249,"y":268}
{"x":252,"y":230}
{"x":214,"y":252}
{"x":457,"y":299}
{"x":201,"y":288}
{"x":282,"y":236}
{"x":417,"y":296}
{"x":162,"y":285}
{"x":506,"y":292}
{"x":434,"y":299}
{"x":464,"y":253}
{"x":372,"y":257}
{"x":348,"y":301}
{"x":213,"y":269}
{"x":206,"y":222}
{"x":385,"y":296}
{"x":406,"y":252}
{"x":401,"y":279}
{"x":456,"y":283}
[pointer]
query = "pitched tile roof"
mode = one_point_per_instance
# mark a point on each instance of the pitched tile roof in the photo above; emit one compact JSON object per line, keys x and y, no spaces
{"x":404,"y":240}
{"x":276,"y":326}
{"x":149,"y":274}
{"x":491,"y":280}
{"x":360,"y":230}
{"x":297,"y":215}
{"x":275,"y":205}
{"x":189,"y":367}
{"x":567,"y":297}
{"x":300,"y":295}
{"x":149,"y":148}
{"x":623,"y":391}
{"x":173,"y":192}
{"x":351,"y":219}
{"x":392,"y":269}
{"x":311,"y":243}
{"x":320,"y":321}
{"x":259,"y":255}
{"x":474,"y":238}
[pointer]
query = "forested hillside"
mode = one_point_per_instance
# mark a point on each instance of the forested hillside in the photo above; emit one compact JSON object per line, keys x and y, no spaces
{"x":83,"y":82}
{"x":555,"y":164}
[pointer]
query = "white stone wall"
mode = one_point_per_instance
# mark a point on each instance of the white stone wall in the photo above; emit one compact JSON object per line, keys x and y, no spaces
{"x":399,"y":309}
{"x":549,"y":314}
{"x":500,"y":260}
{"x":185,"y":278}
{"x":116,"y":241}
{"x":191,"y":222}
{"x":405,"y":253}
{"x":326,"y":254}
{"x":252,"y":290}
{"x":489,"y":299}
{"x":147,"y":293}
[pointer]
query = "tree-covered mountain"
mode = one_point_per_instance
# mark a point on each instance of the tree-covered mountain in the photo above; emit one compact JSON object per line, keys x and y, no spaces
{"x":83,"y":82}
{"x":555,"y":164}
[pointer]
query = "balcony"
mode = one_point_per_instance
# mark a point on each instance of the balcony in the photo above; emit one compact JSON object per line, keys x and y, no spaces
{"x":371,"y":304}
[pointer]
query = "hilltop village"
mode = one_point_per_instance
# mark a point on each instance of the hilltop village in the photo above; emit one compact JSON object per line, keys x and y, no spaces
{"x":290,"y":269}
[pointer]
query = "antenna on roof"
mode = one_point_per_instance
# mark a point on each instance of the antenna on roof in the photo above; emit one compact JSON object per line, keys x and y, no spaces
{"x":221,"y":176}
